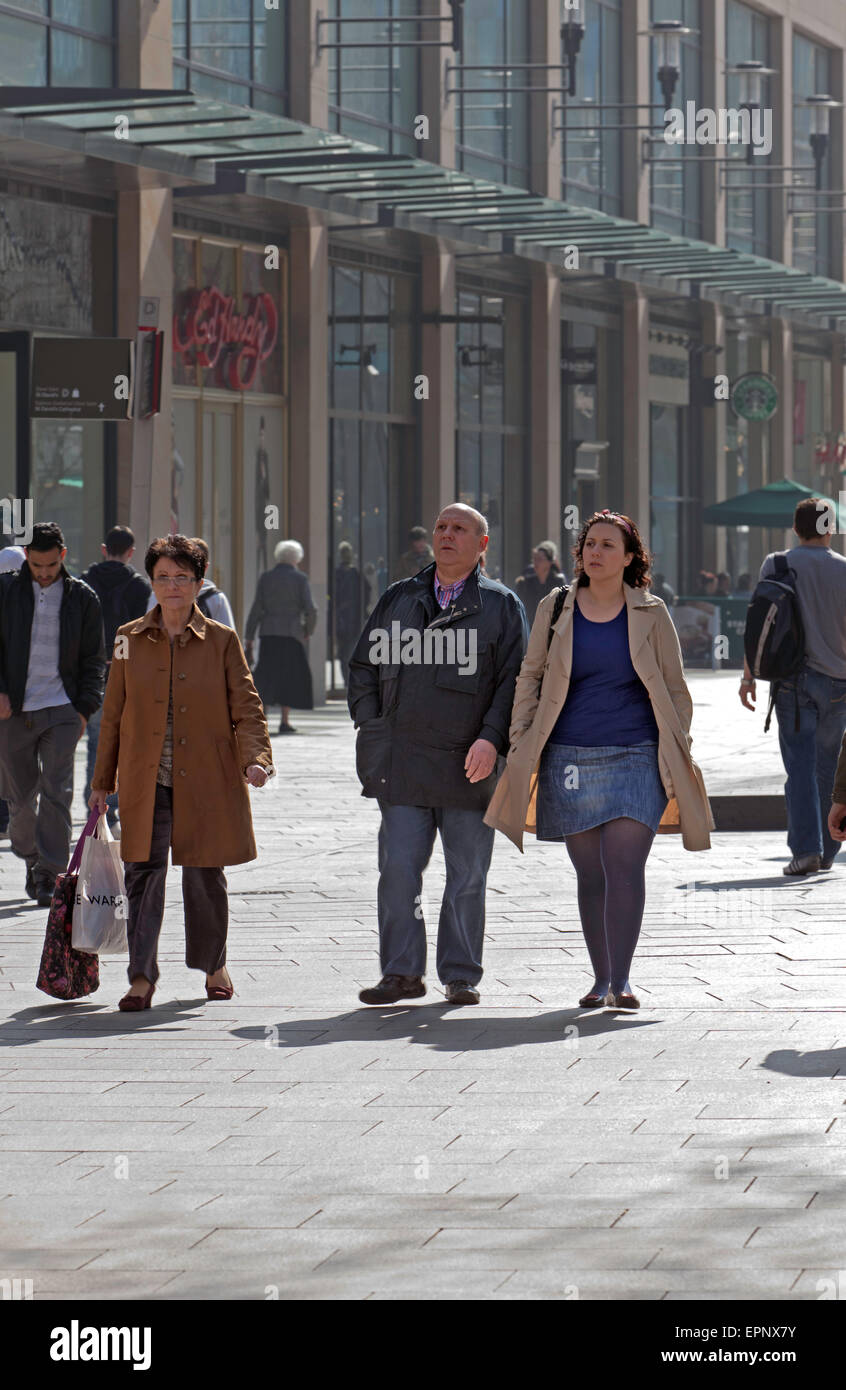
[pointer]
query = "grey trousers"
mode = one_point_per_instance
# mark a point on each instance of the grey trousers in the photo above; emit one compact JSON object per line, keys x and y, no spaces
{"x":203,"y":895}
{"x":36,"y":778}
{"x":406,"y":840}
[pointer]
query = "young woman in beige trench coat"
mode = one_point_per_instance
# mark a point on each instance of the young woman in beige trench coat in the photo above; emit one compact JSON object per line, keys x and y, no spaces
{"x":616,"y":766}
{"x":184,"y":730}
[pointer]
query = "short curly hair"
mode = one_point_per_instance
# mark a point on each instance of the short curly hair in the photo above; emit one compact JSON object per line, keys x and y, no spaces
{"x":181,"y":549}
{"x":636,"y":574}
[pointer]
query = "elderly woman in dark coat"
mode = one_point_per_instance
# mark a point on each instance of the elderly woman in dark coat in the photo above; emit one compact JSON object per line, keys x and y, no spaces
{"x":285,"y":615}
{"x":183,"y":729}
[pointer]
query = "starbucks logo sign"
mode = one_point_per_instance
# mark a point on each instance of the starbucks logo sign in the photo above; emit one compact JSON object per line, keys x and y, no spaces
{"x":754,"y":397}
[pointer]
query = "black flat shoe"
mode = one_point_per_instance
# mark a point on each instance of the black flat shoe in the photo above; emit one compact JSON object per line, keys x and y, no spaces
{"x":459,"y":992}
{"x":392,"y":988}
{"x":593,"y":1000}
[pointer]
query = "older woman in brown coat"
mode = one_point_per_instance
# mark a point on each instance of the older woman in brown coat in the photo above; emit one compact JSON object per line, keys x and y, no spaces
{"x":184,"y":730}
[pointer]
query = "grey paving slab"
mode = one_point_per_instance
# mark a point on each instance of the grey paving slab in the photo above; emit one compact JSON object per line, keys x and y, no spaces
{"x":292,"y":1144}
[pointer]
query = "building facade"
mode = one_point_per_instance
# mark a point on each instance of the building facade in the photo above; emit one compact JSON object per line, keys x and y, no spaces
{"x":406,"y":251}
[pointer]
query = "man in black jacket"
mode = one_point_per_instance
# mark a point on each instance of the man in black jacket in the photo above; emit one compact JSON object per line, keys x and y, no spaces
{"x":52,"y":661}
{"x":431,"y":686}
{"x":124,"y":595}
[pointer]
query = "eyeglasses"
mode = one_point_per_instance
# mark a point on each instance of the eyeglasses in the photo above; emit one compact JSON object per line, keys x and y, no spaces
{"x":180,"y":580}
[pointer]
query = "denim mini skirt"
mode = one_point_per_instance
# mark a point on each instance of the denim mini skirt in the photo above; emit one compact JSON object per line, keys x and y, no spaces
{"x":579,"y":788}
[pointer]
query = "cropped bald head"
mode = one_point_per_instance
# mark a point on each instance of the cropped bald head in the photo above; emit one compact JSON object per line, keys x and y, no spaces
{"x":480,"y":522}
{"x":459,"y":537}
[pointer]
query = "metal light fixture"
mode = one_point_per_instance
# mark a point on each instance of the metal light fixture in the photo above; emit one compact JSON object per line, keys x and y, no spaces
{"x":572,"y":33}
{"x":820,"y":106}
{"x":366,"y":352}
{"x":668,"y":34}
{"x":751,"y":73}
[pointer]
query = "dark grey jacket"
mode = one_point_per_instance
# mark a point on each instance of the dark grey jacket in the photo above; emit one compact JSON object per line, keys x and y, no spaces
{"x":417,"y":722}
{"x":82,"y":652}
{"x":283,"y":605}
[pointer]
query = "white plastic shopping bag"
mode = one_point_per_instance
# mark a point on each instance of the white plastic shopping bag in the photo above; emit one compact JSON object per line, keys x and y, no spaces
{"x":99,"y":913}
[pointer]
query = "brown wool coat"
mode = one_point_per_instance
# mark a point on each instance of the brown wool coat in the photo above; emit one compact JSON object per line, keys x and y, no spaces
{"x":656,"y":657}
{"x":219,"y":730}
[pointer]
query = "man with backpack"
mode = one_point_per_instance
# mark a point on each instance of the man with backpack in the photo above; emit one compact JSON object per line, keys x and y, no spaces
{"x":123,"y":595}
{"x":796,"y":639}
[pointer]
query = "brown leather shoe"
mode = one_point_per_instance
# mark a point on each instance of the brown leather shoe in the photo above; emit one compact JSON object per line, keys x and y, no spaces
{"x":593,"y":1000}
{"x":622,"y":1001}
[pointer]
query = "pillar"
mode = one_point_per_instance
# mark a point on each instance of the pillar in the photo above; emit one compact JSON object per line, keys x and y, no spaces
{"x":308,"y":470}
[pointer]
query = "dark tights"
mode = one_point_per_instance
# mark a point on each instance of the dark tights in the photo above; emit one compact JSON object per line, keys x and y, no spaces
{"x":610,"y":861}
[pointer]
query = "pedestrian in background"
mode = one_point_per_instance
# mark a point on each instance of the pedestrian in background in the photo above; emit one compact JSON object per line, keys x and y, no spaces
{"x":349,"y":588}
{"x":817,"y":691}
{"x":184,"y":733}
{"x":52,"y":665}
{"x":123,"y":595}
{"x":11,"y":558}
{"x":285,"y":615}
{"x":429,"y":736}
{"x":418,"y":555}
{"x":600,"y":741}
{"x":540,"y":579}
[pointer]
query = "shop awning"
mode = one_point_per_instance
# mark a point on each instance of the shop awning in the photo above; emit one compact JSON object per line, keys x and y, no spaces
{"x":772,"y":506}
{"x":205,"y":146}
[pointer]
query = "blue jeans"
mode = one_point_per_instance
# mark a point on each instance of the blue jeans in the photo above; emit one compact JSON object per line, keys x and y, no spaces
{"x":93,"y":730}
{"x":406,"y":841}
{"x":810,"y":757}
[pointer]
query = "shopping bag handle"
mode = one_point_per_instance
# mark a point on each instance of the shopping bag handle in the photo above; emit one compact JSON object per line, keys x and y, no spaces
{"x":90,"y":826}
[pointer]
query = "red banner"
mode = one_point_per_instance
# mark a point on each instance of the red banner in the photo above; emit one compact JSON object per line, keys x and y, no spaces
{"x":208,"y":331}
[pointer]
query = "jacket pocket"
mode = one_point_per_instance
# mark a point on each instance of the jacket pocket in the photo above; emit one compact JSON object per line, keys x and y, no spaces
{"x":228,"y":760}
{"x":372,"y":755}
{"x":452,"y":676}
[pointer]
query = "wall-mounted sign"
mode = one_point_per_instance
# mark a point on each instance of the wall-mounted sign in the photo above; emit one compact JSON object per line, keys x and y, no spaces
{"x":82,"y":378}
{"x":149,"y":352}
{"x":207,"y":330}
{"x":578,"y":366}
{"x":754,"y":397}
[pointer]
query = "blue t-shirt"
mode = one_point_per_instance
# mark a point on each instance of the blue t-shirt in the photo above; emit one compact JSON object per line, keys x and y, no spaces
{"x":607,"y":703}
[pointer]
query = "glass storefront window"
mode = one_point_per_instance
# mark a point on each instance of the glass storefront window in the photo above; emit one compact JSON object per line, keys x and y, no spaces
{"x":675,"y":197}
{"x":592,"y":170}
{"x":67,"y":484}
{"x":374,"y":469}
{"x":491,"y":414}
{"x":811,"y":228}
{"x":747,"y":211}
{"x":237,"y":53}
{"x":374,"y":92}
{"x":666,"y":466}
{"x":229,"y":418}
{"x":591,"y":369}
{"x":41,"y":51}
{"x":492,"y":132}
{"x":813,"y":446}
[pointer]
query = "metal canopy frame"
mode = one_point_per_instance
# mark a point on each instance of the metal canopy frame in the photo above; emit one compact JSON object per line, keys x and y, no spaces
{"x":209,"y":148}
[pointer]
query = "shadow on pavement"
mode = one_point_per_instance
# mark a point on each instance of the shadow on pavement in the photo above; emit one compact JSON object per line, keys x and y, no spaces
{"x":826,"y":1062}
{"x":432,"y":1026}
{"x":63,"y":1020}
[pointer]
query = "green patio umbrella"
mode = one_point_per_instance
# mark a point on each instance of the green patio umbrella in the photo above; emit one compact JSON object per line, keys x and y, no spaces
{"x":772,"y":505}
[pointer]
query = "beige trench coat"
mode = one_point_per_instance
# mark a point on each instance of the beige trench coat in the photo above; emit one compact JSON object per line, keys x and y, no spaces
{"x":656,"y":657}
{"x":219,"y":729}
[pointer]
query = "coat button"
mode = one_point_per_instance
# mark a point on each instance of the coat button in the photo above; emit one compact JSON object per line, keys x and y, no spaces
{"x":182,"y":772}
{"x":182,"y":709}
{"x":182,"y":740}
{"x":180,"y":676}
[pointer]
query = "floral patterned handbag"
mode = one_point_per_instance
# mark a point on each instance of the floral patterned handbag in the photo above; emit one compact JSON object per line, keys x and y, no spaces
{"x":65,"y":973}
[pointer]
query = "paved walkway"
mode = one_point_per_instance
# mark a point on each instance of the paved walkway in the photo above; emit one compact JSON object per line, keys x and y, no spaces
{"x":294,"y":1144}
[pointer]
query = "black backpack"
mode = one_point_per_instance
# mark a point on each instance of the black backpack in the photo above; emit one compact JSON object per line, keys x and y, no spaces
{"x":774,"y":637}
{"x":202,"y":601}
